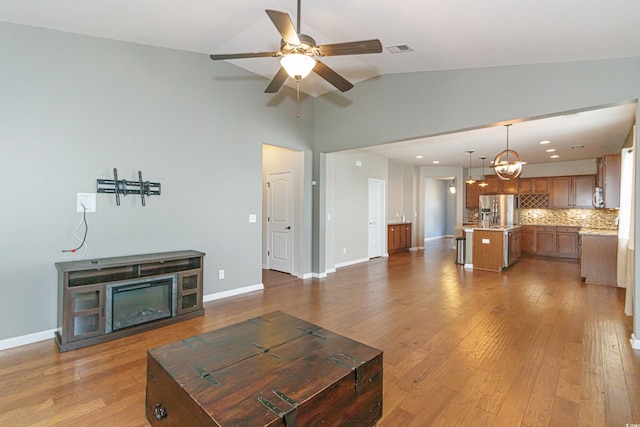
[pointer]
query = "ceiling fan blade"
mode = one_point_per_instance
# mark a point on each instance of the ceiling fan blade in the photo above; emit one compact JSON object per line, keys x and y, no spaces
{"x":350,"y":48}
{"x":332,"y":77}
{"x":285,"y":27}
{"x":244,"y":55}
{"x":277,"y":81}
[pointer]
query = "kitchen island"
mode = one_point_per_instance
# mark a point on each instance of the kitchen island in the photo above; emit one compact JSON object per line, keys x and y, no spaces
{"x":598,"y":258}
{"x":492,"y":248}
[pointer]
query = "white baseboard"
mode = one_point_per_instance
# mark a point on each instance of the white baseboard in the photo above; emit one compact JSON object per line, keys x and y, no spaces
{"x":26,"y":339}
{"x":352,"y":262}
{"x":233,"y":292}
{"x":635,"y":342}
{"x":45,"y":335}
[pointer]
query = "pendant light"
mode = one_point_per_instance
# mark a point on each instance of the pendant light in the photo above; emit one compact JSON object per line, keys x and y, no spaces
{"x":470,"y":180}
{"x":483,"y":183}
{"x":504,"y":167}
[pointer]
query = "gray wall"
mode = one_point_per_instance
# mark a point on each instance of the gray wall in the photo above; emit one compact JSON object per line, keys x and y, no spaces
{"x":74,"y":107}
{"x":350,"y":221}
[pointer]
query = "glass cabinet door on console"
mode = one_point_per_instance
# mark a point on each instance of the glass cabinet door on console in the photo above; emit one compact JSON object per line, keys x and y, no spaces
{"x":86,"y":318}
{"x":189,"y":291}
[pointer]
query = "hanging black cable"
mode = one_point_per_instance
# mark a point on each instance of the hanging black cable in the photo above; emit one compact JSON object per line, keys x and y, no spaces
{"x":86,"y":230}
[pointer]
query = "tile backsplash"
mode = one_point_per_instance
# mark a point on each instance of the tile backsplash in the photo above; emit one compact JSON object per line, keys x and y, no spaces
{"x":588,"y":218}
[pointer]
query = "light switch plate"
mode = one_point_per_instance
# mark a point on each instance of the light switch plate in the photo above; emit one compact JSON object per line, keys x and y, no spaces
{"x":253,"y":218}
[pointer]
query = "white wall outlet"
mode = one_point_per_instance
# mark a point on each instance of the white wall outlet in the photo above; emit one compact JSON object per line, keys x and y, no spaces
{"x":584,"y":216}
{"x":344,"y":251}
{"x":253,"y":218}
{"x":535,"y":215}
{"x":220,"y":274}
{"x":88,"y":200}
{"x":358,"y":163}
{"x":486,"y":241}
{"x":328,"y":217}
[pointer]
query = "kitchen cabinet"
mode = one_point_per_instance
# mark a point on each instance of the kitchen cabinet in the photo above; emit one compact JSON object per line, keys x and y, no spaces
{"x":494,"y":250}
{"x":608,"y":179}
{"x":598,"y":259}
{"x":571,"y":191}
{"x":545,"y":240}
{"x":496,"y":185}
{"x":398,"y":237}
{"x":556,"y":241}
{"x":568,"y":242}
{"x":528,"y":236}
{"x":533,"y":186}
{"x":472,"y":194}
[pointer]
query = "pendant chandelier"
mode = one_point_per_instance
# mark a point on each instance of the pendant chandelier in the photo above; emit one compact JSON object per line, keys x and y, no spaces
{"x":470,"y":180}
{"x":483,"y":183}
{"x":507,"y":163}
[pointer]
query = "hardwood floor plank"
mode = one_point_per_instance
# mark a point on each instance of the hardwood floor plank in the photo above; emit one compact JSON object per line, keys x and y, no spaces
{"x":531,"y":346}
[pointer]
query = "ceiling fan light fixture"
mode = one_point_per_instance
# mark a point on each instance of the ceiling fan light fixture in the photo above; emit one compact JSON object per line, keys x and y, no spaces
{"x":297,"y":65}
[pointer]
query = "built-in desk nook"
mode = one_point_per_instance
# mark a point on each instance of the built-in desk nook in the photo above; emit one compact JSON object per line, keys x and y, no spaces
{"x":108,"y":298}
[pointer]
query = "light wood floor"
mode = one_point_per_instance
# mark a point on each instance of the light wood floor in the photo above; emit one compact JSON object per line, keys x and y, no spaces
{"x":532,"y":346}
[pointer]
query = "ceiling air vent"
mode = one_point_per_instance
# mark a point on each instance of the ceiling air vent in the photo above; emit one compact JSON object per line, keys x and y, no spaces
{"x":399,"y":48}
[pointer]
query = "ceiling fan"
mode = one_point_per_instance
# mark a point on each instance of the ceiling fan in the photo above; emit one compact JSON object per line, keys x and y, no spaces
{"x":298,"y":52}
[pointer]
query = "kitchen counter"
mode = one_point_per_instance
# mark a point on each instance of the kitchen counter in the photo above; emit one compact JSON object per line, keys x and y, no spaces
{"x":598,"y":232}
{"x":471,"y":228}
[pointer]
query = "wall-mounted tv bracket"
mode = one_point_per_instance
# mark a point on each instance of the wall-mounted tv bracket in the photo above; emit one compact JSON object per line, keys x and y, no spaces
{"x":124,"y":187}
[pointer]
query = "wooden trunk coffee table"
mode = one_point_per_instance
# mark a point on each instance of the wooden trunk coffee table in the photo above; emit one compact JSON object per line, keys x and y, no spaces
{"x":272,"y":370}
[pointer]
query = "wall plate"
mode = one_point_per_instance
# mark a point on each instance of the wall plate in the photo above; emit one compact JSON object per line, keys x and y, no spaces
{"x":88,"y":200}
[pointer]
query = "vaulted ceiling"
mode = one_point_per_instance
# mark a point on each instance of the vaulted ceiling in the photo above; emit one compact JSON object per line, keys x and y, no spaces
{"x":440,"y":35}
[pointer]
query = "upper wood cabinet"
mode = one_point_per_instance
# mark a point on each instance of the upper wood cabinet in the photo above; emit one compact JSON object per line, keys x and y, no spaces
{"x":498,"y":186}
{"x":571,"y":191}
{"x":608,"y":179}
{"x":494,"y":186}
{"x":533,"y":185}
{"x":472,"y":193}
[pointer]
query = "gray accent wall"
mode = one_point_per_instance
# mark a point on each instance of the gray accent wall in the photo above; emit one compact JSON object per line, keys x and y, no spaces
{"x":74,"y":107}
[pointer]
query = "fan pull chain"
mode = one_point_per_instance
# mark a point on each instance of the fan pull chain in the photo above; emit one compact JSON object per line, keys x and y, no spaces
{"x":297,"y":98}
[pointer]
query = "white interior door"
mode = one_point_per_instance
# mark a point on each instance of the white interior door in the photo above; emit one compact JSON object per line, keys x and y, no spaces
{"x":376,"y":217}
{"x":280,"y":221}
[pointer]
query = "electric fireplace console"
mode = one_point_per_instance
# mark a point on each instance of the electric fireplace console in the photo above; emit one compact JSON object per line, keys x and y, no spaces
{"x":103,"y":299}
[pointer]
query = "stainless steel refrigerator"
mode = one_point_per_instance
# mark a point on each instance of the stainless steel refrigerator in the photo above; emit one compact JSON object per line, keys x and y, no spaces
{"x":499,"y":210}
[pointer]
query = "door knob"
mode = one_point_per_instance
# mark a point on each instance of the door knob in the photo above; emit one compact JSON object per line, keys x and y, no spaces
{"x":287,"y":227}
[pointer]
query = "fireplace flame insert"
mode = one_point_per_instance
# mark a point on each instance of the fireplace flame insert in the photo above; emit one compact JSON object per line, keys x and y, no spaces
{"x":135,"y":302}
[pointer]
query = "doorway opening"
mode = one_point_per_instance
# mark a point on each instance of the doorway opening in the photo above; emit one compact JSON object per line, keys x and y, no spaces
{"x":282,"y":171}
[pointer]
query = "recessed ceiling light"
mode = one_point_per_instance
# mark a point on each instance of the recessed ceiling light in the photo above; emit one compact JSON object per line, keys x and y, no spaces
{"x":435,"y":162}
{"x":545,"y":142}
{"x":577,"y":147}
{"x":419,"y":157}
{"x":551,"y":150}
{"x":555,"y":156}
